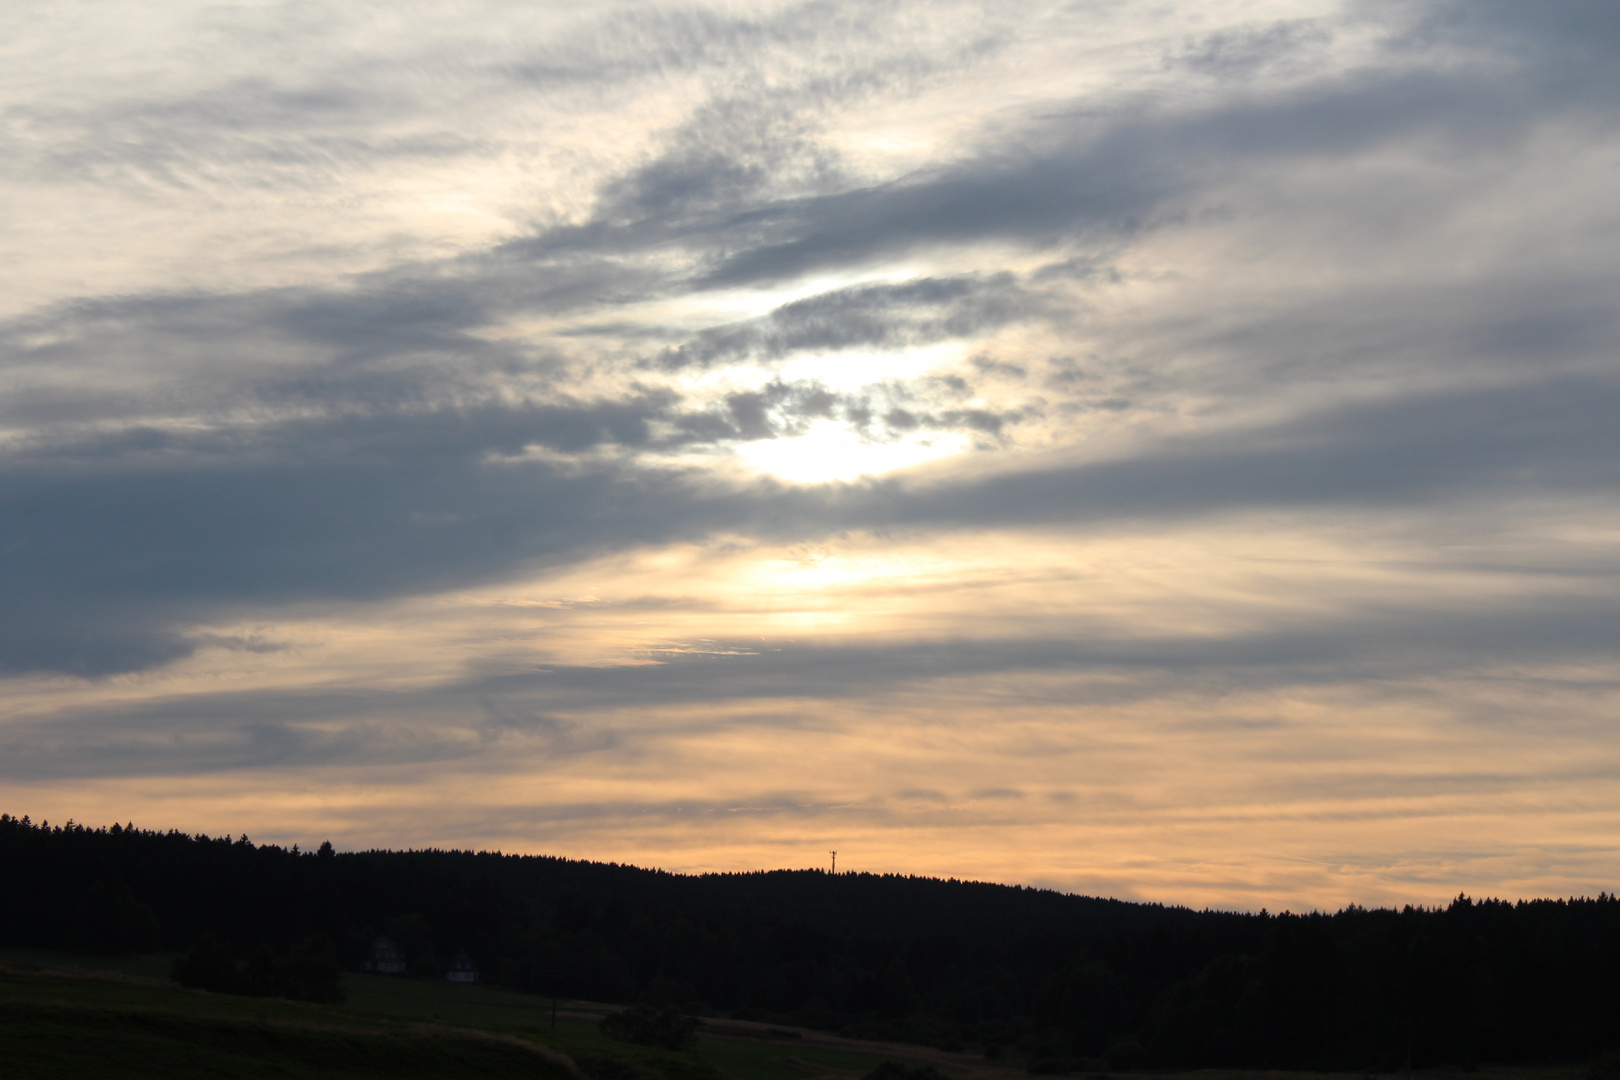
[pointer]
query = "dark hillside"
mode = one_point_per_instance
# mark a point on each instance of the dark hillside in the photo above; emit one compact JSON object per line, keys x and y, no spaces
{"x":1061,"y":981}
{"x":44,"y":1041}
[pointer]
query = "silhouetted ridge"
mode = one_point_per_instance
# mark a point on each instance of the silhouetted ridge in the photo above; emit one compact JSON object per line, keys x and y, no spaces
{"x":1067,"y":982}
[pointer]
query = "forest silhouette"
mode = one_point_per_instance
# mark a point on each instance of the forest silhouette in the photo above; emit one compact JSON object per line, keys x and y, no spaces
{"x":1067,"y":982}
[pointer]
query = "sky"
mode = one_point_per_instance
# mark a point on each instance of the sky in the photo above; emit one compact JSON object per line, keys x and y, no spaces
{"x":1156,"y":450}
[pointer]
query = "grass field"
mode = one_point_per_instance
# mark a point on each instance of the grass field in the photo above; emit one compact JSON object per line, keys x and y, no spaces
{"x":86,"y":1018}
{"x":47,"y":1041}
{"x":71,"y":1016}
{"x":749,"y":1060}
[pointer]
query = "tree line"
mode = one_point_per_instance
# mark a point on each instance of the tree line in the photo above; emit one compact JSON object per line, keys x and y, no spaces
{"x":1067,"y":983}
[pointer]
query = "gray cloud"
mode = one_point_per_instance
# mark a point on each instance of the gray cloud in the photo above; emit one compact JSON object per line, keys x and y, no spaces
{"x":1245,"y":51}
{"x":1073,"y":177}
{"x":107,"y":542}
{"x":1066,"y":181}
{"x":330,"y":518}
{"x":1548,"y":438}
{"x":888,"y":316}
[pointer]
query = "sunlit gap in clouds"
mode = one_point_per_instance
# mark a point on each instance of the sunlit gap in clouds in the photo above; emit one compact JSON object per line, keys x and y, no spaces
{"x":844,"y":446}
{"x":830,"y":450}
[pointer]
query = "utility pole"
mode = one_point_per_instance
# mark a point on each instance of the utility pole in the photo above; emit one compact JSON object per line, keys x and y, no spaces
{"x":835,"y":862}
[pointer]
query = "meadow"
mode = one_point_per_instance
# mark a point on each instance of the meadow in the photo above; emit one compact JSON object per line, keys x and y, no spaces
{"x":66,"y":1015}
{"x":75,"y":1017}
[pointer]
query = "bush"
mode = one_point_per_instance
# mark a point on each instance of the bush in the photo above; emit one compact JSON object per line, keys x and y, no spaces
{"x":642,"y":1024}
{"x":209,"y":965}
{"x":310,"y":974}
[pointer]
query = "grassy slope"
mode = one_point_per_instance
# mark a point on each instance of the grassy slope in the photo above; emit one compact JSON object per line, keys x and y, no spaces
{"x":84,"y":1026}
{"x":43,"y":1040}
{"x":86,"y":1017}
{"x":68,"y":1016}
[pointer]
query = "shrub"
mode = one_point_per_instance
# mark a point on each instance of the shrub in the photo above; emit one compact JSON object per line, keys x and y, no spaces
{"x":310,"y":974}
{"x":667,"y":1027}
{"x":209,"y":965}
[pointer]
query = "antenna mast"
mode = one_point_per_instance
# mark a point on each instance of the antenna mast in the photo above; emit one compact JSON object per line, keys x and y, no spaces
{"x":835,"y":862}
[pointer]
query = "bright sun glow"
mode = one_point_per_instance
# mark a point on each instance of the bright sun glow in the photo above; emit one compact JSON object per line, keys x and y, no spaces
{"x":831,"y":451}
{"x":848,"y":371}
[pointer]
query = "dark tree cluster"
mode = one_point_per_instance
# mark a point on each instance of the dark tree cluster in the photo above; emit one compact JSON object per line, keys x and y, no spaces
{"x":1063,"y":983}
{"x":668,"y":1027}
{"x":309,"y":973}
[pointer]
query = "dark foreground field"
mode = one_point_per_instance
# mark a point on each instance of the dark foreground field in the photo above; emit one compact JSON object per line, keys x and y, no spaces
{"x":44,"y":1040}
{"x":82,"y":1026}
{"x":120,"y":1018}
{"x":74,"y":1017}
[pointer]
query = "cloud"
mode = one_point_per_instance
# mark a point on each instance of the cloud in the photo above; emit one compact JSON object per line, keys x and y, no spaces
{"x":556,"y":712}
{"x":157,"y":530}
{"x":1261,"y":374}
{"x":1549,"y":438}
{"x":1245,"y":51}
{"x":886,"y":316}
{"x":1067,"y":179}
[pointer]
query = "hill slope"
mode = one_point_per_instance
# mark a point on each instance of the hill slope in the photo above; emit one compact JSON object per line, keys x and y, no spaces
{"x":1061,"y":980}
